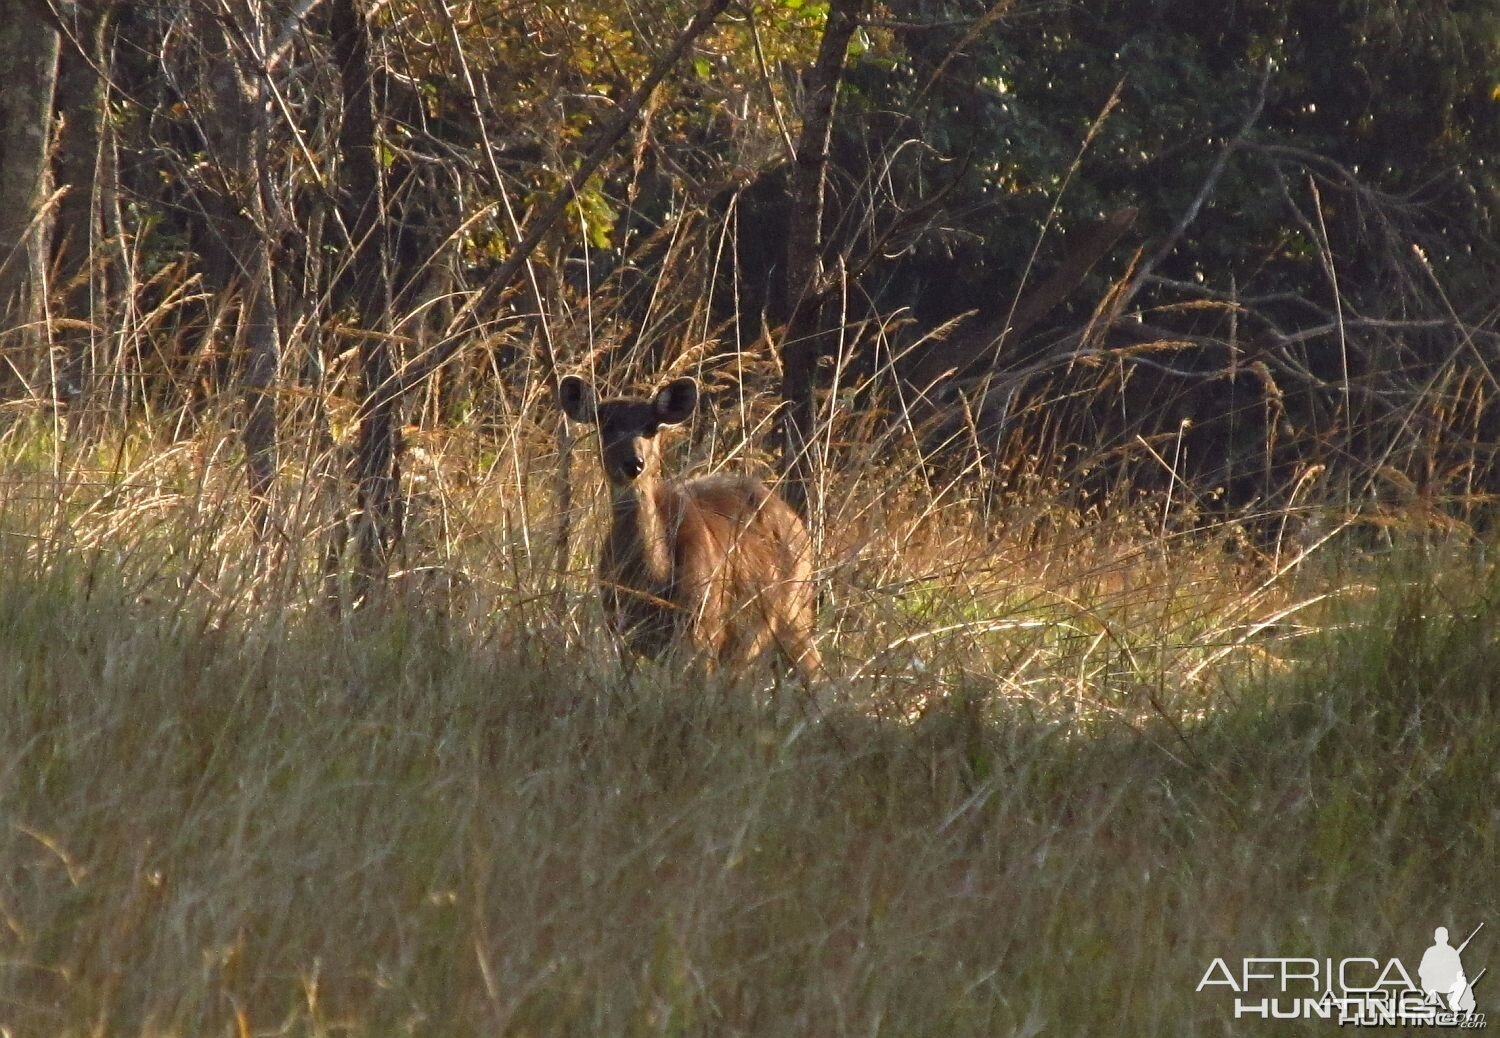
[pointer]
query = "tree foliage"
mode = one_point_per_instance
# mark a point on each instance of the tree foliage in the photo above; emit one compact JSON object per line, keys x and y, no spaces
{"x":1308,"y":186}
{"x":1399,"y":97}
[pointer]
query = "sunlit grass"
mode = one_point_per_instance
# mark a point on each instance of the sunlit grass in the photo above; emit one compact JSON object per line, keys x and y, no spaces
{"x":1065,"y":764}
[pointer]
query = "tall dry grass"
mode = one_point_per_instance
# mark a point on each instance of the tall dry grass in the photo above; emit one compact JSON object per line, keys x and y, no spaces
{"x":1091,"y":724}
{"x":1068,"y":760}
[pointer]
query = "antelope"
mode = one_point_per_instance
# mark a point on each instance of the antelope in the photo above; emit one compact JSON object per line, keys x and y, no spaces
{"x":718,"y":563}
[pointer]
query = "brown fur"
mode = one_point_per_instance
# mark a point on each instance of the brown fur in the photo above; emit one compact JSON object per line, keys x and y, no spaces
{"x":718,"y":562}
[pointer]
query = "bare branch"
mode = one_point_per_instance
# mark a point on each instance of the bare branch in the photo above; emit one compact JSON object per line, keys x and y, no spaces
{"x":1174,"y":237}
{"x":419,"y":370}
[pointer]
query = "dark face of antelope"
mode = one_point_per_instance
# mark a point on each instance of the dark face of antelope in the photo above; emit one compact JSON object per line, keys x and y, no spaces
{"x":628,"y":426}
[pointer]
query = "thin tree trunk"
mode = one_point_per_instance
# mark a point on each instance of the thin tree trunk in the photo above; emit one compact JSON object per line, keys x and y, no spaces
{"x":237,"y":125}
{"x":28,"y":70}
{"x":78,"y":260}
{"x":364,"y":285}
{"x":802,"y":341}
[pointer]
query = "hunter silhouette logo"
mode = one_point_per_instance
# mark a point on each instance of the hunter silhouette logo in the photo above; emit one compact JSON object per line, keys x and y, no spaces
{"x":1442,"y":973}
{"x":1360,"y":991}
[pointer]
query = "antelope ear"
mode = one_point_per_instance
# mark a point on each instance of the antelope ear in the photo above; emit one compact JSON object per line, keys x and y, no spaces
{"x":577,"y":400}
{"x":676,"y":401}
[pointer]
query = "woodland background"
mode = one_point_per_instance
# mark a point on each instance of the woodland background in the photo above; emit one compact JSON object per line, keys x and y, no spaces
{"x":1133,"y":361}
{"x":1237,"y":245}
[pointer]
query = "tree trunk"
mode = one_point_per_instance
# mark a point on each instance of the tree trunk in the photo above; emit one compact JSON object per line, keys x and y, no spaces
{"x":802,"y":341}
{"x":364,"y":286}
{"x":28,"y":70}
{"x":78,"y":259}
{"x":237,"y":126}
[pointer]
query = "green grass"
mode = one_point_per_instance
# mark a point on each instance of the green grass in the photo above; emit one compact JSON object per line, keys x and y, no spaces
{"x":223,"y":815}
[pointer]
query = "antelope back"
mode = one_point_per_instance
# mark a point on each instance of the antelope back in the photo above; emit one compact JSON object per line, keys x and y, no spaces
{"x":743,"y":572}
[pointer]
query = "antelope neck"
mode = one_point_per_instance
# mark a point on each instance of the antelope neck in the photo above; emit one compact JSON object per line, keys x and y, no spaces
{"x":639,"y":522}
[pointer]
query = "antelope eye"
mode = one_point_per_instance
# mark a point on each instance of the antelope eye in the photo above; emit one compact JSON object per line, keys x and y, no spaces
{"x":651,"y":429}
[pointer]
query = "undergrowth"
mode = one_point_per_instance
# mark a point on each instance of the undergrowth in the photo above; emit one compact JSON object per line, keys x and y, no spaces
{"x":1066,"y":764}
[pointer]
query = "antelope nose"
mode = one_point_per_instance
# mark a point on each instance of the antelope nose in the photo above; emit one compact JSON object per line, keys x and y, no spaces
{"x":634,"y":466}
